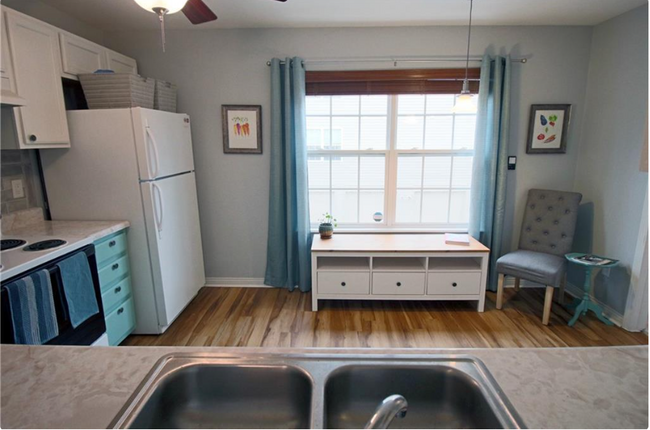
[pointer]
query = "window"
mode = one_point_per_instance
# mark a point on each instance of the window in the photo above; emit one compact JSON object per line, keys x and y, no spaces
{"x":394,"y":161}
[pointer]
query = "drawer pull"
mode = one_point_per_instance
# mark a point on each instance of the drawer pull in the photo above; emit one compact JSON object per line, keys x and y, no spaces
{"x":32,"y":138}
{"x":111,"y":244}
{"x":115,"y":266}
{"x":454,"y":284}
{"x":343,"y":284}
{"x":120,"y":310}
{"x":399,"y":284}
{"x":118,"y":289}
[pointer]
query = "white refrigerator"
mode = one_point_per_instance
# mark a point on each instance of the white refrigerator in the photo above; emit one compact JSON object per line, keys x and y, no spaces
{"x":137,"y":165}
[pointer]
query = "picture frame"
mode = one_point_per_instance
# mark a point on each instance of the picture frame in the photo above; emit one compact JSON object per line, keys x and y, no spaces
{"x":547,"y":129}
{"x":242,"y":129}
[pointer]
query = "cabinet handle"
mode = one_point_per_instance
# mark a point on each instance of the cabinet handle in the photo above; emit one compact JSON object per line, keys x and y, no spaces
{"x":399,"y":284}
{"x":120,"y":310}
{"x":343,"y":284}
{"x":115,"y":266}
{"x":118,"y":289}
{"x":454,"y":284}
{"x":111,"y":244}
{"x":32,"y":138}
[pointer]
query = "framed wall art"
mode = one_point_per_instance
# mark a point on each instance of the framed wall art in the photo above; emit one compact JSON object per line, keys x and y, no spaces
{"x":547,"y":132}
{"x":242,"y":129}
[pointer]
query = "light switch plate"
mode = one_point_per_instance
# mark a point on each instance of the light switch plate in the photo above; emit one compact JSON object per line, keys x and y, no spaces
{"x":17,"y":188}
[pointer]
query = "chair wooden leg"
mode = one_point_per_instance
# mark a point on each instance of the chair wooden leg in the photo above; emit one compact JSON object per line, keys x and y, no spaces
{"x":500,"y":291}
{"x":560,"y":296}
{"x":517,"y":280}
{"x":548,"y":302}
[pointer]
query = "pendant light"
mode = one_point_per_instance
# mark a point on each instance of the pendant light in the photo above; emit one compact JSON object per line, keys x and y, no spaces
{"x":465,"y":102}
{"x":162,"y":8}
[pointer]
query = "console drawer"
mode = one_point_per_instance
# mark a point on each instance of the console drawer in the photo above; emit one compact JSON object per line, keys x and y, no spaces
{"x":452,"y":283}
{"x":398,"y":283}
{"x":343,"y":282}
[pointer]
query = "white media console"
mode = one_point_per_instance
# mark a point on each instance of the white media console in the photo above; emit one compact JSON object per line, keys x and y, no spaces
{"x":397,"y":267}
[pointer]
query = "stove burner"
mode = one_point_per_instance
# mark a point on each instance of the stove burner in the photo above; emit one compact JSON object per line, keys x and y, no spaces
{"x":11,"y":244}
{"x":44,"y":244}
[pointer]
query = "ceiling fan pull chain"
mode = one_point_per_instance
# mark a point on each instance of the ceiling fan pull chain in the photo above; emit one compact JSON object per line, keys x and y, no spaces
{"x":162,"y":30}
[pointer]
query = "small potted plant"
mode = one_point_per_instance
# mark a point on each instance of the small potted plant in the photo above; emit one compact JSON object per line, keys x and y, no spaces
{"x":326,"y":227}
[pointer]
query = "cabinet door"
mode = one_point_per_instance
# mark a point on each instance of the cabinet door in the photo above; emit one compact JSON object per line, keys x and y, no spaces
{"x":80,"y":55}
{"x":6,"y":67}
{"x":120,"y":63}
{"x":42,"y":123}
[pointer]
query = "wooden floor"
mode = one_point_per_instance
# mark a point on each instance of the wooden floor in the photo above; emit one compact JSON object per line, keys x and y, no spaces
{"x":278,"y":318}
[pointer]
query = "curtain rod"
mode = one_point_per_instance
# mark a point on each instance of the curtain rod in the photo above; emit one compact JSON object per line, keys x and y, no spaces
{"x":522,"y":60}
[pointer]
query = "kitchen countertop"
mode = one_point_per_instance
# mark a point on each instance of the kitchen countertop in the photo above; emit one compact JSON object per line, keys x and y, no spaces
{"x":85,"y":387}
{"x":77,"y":234}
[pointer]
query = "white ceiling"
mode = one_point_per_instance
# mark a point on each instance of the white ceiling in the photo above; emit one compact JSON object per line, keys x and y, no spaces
{"x":125,"y":14}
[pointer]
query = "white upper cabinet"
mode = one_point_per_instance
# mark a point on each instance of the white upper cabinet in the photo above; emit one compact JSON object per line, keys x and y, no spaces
{"x":34,"y":48}
{"x":120,"y":63}
{"x":6,"y":65}
{"x":79,"y":55}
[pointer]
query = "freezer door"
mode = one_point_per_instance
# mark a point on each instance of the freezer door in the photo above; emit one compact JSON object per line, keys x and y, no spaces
{"x":172,"y":218}
{"x":163,"y":143}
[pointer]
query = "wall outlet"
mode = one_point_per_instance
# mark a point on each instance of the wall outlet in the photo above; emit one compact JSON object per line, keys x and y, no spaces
{"x":17,"y":188}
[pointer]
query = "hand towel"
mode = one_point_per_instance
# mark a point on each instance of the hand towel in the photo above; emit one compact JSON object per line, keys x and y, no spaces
{"x":32,"y":309}
{"x":79,"y":288}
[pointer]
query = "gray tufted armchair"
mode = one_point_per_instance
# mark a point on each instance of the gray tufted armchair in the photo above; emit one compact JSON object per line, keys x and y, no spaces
{"x":546,"y":235}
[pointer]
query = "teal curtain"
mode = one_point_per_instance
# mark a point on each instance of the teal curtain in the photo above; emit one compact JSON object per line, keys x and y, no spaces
{"x":289,"y":238}
{"x":488,"y":195}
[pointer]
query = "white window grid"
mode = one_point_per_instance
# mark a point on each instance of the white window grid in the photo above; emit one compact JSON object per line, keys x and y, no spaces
{"x":391,"y":156}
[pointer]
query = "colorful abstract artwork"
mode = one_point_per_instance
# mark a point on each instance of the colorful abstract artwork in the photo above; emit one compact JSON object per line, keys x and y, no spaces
{"x":242,"y":129}
{"x":548,"y":128}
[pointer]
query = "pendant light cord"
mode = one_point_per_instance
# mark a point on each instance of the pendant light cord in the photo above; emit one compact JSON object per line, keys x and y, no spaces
{"x":469,"y":36}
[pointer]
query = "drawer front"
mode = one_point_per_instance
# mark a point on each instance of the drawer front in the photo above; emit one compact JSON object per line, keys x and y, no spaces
{"x":116,"y":294}
{"x":120,"y":322}
{"x":113,"y":271}
{"x":343,"y":283}
{"x":454,"y":283}
{"x":398,"y":283}
{"x":110,"y":248}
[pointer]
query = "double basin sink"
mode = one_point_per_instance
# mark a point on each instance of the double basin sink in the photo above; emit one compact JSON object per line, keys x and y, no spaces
{"x":315,"y":391}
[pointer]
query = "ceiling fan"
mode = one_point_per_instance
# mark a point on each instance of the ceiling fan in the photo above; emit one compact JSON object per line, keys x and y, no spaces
{"x":195,"y":10}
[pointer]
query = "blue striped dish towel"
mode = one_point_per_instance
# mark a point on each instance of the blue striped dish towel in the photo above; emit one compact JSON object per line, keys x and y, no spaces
{"x":32,"y":309}
{"x":79,"y":288}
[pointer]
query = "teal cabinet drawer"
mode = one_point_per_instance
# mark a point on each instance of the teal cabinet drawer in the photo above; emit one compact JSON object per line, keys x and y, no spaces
{"x":110,"y":248}
{"x":120,"y":323}
{"x":116,"y":294}
{"x":113,"y":271}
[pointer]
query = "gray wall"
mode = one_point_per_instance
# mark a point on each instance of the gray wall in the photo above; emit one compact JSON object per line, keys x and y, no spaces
{"x":19,"y":164}
{"x":608,"y":160}
{"x":215,"y":67}
{"x":55,"y":17}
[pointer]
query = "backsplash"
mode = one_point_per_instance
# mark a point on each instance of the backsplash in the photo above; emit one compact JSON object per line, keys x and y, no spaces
{"x":21,"y":165}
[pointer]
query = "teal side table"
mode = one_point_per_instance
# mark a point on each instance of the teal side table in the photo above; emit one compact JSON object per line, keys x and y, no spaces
{"x":582,"y":306}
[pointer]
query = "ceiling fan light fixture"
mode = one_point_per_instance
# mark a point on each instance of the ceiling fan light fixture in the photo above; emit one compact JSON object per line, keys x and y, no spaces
{"x":169,"y":6}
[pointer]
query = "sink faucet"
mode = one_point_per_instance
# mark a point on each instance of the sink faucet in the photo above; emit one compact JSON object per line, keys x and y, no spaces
{"x":391,"y":407}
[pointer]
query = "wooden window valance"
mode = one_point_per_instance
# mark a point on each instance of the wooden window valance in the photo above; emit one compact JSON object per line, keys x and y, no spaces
{"x":401,"y":81}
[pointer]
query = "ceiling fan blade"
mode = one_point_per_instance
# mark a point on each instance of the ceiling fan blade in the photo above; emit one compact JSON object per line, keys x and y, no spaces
{"x":198,"y":12}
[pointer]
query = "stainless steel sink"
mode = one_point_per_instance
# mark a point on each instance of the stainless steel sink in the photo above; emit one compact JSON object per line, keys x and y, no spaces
{"x":315,"y":391}
{"x":438,"y":397}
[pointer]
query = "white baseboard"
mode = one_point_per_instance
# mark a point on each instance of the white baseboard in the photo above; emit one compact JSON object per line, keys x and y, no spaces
{"x":236,"y":282}
{"x":574,"y":291}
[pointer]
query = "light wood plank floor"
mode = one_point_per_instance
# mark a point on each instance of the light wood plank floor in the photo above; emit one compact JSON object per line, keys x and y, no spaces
{"x":277,"y":318}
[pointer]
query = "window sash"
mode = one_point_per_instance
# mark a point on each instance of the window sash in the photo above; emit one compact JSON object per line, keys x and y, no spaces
{"x":391,"y":156}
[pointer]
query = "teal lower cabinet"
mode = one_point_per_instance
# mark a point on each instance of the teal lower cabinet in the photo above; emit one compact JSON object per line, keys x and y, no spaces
{"x":114,"y":278}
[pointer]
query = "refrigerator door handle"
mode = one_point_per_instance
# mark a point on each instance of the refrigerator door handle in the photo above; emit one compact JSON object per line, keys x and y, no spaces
{"x":158,"y":208}
{"x":154,"y":149}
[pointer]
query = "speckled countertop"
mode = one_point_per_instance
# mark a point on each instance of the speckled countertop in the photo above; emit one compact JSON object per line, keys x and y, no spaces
{"x":85,"y":387}
{"x":32,"y":228}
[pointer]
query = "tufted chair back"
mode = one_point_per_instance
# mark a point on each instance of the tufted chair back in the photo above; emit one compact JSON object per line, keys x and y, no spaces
{"x":549,"y":221}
